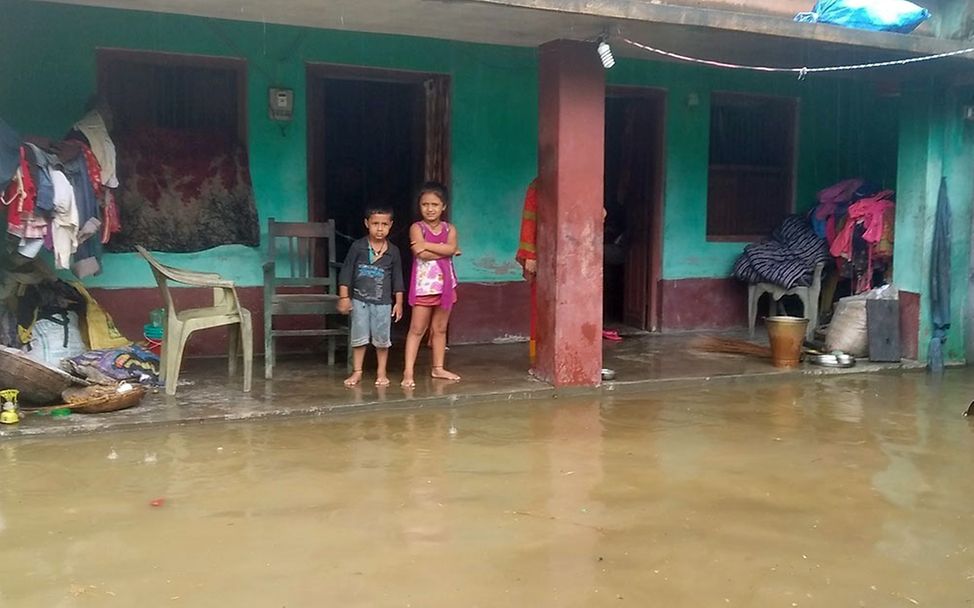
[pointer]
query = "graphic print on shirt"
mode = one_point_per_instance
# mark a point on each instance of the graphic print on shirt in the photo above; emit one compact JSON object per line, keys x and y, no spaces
{"x":369,"y":281}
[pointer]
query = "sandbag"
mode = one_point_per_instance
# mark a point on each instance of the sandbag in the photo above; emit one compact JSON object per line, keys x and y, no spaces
{"x":847,"y":331}
{"x":878,"y":15}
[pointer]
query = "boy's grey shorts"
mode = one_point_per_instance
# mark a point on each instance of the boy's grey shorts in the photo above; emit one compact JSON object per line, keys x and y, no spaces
{"x":371,"y":323}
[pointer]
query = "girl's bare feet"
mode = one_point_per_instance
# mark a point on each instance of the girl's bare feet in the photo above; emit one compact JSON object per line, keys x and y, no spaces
{"x":354,"y":379}
{"x":408,"y":382}
{"x":382,"y":381}
{"x":443,"y":374}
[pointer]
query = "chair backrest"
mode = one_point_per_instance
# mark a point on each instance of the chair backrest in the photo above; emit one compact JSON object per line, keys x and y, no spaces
{"x":302,"y":243}
{"x":161,"y":273}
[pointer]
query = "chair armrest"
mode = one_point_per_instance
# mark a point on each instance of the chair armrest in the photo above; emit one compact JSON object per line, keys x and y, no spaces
{"x":199,"y":279}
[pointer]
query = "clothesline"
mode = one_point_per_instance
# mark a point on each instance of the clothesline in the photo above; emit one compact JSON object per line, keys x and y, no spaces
{"x":800,"y":71}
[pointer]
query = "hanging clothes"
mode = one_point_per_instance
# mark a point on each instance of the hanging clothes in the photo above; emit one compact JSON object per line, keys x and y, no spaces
{"x":19,"y":198}
{"x":871,"y":214}
{"x":42,"y":162}
{"x":64,"y":233}
{"x":111,"y":222}
{"x":94,"y":170}
{"x":89,"y":218}
{"x":92,"y":126}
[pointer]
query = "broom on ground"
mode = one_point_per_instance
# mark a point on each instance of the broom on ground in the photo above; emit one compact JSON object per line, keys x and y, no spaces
{"x":729,"y":346}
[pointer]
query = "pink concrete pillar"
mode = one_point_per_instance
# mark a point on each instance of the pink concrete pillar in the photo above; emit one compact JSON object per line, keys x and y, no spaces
{"x":571,"y":100}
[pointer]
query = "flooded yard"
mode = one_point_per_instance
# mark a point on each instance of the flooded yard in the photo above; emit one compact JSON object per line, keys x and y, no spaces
{"x":831,"y":491}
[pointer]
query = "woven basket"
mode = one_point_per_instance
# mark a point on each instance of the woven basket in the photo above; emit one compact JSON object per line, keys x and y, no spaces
{"x":101,"y":399}
{"x":38,"y":384}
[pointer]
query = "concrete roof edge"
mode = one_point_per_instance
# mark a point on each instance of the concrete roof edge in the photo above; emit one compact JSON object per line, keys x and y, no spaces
{"x":633,"y":10}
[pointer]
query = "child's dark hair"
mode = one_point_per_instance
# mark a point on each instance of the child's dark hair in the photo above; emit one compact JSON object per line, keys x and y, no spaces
{"x":378,"y":210}
{"x":434,"y":188}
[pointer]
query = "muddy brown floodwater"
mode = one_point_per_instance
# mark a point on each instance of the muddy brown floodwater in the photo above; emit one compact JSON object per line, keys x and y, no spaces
{"x":839,"y":491}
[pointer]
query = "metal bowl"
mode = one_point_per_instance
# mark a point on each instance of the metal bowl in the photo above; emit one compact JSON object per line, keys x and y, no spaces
{"x":844,"y":359}
{"x":833,"y":360}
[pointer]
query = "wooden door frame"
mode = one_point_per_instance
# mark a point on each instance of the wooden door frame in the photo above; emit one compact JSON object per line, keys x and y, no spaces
{"x":318,"y":71}
{"x":657,"y":97}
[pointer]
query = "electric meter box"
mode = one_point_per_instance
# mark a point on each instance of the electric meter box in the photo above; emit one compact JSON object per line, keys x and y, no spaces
{"x":281,"y":104}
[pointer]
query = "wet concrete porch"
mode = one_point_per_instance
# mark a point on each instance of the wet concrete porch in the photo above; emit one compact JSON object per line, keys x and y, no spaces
{"x":307,"y":386}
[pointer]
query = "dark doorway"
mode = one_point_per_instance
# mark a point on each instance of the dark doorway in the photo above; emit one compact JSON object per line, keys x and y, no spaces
{"x":373,"y":137}
{"x":633,"y":203}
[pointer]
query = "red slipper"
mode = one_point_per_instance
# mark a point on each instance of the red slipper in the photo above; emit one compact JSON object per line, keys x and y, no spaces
{"x":611,"y":335}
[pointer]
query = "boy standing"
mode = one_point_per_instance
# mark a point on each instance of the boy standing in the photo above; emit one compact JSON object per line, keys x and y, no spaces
{"x":372,"y":272}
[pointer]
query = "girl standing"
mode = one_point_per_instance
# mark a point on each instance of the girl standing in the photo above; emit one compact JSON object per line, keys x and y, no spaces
{"x":432,"y":287}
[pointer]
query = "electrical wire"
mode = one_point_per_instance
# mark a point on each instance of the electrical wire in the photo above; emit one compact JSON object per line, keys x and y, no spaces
{"x":800,"y":71}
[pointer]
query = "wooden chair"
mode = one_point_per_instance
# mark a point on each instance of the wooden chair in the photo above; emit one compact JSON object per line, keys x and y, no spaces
{"x":226,"y":310}
{"x":316,"y":295}
{"x":809,"y":297}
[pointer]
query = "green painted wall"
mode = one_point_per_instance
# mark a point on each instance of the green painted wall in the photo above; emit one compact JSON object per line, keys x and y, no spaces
{"x":51,"y":54}
{"x":48,"y":69}
{"x":838,"y":137}
{"x":935,"y":143}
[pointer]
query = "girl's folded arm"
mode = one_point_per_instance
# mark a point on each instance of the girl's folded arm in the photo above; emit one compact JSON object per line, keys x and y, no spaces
{"x":416,"y":241}
{"x":447,"y":249}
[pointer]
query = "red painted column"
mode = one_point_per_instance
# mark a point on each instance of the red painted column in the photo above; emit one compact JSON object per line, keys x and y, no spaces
{"x":571,"y":120}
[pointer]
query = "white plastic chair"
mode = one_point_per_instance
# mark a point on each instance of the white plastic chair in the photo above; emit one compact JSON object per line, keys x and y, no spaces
{"x":226,"y":310}
{"x":808,"y":295}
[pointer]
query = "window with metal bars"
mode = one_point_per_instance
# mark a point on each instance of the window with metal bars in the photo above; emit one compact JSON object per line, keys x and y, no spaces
{"x":750,"y":185}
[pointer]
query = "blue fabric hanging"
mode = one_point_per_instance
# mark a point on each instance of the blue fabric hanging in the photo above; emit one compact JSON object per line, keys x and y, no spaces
{"x":940,"y":281}
{"x":878,"y":15}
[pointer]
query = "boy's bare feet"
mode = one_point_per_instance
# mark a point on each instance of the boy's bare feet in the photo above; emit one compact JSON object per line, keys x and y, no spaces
{"x":354,"y":379}
{"x":443,"y":374}
{"x":408,"y":382}
{"x":382,"y":381}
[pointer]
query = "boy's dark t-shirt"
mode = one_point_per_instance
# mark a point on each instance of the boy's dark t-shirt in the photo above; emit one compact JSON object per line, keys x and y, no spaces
{"x":372,"y":282}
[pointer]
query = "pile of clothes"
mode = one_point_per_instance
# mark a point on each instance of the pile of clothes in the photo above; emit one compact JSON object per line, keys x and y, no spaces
{"x":59,"y":195}
{"x":61,"y":325}
{"x":787,"y":259}
{"x":857,"y":220}
{"x":110,"y":366}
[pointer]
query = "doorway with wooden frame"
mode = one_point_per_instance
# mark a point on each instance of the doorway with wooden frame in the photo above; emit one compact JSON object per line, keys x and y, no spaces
{"x":634,"y":160}
{"x":374,"y":136}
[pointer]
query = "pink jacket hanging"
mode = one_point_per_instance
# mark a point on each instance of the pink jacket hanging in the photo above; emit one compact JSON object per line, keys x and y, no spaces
{"x":869,"y":212}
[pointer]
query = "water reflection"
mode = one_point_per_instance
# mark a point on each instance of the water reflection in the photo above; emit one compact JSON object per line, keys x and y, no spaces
{"x":830,"y":491}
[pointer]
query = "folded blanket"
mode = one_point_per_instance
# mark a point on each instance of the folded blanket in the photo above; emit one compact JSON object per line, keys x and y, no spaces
{"x":788,"y":259}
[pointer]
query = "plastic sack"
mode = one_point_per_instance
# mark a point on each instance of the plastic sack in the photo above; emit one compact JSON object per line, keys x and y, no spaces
{"x":847,"y":332}
{"x":102,"y":332}
{"x":877,"y":15}
{"x":55,"y":339}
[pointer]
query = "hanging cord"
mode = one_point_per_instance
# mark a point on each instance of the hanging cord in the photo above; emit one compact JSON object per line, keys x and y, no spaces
{"x":802,"y":72}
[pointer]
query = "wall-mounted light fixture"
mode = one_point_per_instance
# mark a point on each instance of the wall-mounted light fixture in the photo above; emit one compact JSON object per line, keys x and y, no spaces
{"x":605,"y":53}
